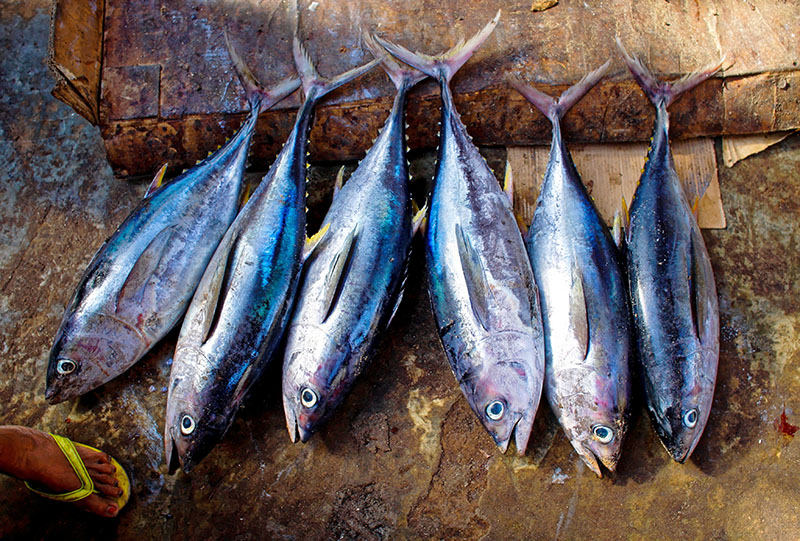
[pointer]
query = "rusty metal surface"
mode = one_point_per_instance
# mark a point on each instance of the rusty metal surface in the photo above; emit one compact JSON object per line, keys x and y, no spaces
{"x":403,"y":457}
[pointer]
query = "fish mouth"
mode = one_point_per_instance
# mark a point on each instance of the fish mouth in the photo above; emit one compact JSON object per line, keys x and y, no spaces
{"x":296,"y":432}
{"x":520,"y":432}
{"x":591,"y":459}
{"x":171,"y":452}
{"x":51,"y":396}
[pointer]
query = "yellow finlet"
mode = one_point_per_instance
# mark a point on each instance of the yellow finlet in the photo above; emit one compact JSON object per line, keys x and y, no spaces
{"x":696,"y":208}
{"x":248,"y":191}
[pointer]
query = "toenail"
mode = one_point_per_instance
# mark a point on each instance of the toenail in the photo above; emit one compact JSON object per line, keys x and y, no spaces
{"x":116,"y":483}
{"x":112,"y":509}
{"x":120,"y":494}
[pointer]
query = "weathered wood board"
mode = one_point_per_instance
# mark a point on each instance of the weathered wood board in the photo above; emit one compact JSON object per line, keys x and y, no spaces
{"x":611,"y":172}
{"x":167,"y":90}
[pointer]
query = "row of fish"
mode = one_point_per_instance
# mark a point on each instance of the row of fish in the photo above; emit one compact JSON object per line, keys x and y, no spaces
{"x":514,"y":314}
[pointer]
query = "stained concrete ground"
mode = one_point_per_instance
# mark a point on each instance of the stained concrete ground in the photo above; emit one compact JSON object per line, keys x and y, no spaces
{"x":403,"y":457}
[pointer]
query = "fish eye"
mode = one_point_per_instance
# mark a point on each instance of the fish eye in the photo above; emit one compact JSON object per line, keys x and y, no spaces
{"x":602,"y":433}
{"x":308,"y":397}
{"x":495,"y":410}
{"x":66,"y":366}
{"x":187,"y":424}
{"x":690,"y":418}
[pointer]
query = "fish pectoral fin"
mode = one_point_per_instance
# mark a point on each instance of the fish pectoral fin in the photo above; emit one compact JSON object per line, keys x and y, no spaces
{"x":418,"y":222}
{"x":579,"y":314}
{"x":314,"y":241}
{"x":157,"y":182}
{"x":475,"y":276}
{"x":701,"y":286}
{"x":132,"y":291}
{"x":338,"y":272}
{"x":214,"y":290}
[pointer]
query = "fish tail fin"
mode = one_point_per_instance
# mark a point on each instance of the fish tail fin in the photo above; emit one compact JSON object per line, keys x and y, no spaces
{"x":257,"y":96}
{"x":399,"y":75}
{"x":442,"y":67}
{"x":312,"y":79}
{"x":661,"y":92}
{"x":556,"y":109}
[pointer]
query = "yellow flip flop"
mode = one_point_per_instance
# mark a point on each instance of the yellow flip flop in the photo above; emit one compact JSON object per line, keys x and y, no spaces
{"x":86,"y":489}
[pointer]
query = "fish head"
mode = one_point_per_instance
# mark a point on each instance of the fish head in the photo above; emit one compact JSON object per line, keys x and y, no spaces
{"x":503,"y":386}
{"x":316,"y":378}
{"x":89,"y":351}
{"x":194,"y":423}
{"x":593,"y":409}
{"x":680,"y":417}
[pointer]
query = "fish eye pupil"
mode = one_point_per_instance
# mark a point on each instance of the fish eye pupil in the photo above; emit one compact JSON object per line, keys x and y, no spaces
{"x":603,"y":434}
{"x":66,"y":366}
{"x":690,"y":418}
{"x":308,"y":398}
{"x":187,"y":425}
{"x":495,"y":410}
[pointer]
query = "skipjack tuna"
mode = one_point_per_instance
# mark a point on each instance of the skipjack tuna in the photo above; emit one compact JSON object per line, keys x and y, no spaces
{"x":241,"y":306}
{"x":140,"y":282}
{"x":673,"y":296}
{"x":581,"y":277}
{"x":353,"y":283}
{"x":480,"y":281}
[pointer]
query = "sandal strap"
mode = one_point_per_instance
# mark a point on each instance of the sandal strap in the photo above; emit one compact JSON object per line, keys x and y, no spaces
{"x":74,"y":459}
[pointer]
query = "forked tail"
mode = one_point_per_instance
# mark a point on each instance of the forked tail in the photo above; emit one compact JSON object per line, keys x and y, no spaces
{"x":257,"y":96}
{"x":400,"y":76}
{"x":313,"y":80}
{"x":660,"y":92}
{"x":556,"y":109}
{"x":442,"y":67}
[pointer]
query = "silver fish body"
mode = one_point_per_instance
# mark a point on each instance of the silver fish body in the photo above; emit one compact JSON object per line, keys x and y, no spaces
{"x":584,"y":297}
{"x":673,"y":294}
{"x":237,"y":316}
{"x":480,"y":281}
{"x":141,"y":280}
{"x":352,"y":283}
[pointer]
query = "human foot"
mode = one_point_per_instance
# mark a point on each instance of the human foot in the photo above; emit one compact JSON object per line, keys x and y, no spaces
{"x":34,"y":456}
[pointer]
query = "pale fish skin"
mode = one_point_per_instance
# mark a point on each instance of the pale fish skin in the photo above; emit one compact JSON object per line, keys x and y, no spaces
{"x":482,"y":289}
{"x":584,"y":295}
{"x":353,"y":283}
{"x":141,"y":280}
{"x":673,"y":294}
{"x":238,"y":314}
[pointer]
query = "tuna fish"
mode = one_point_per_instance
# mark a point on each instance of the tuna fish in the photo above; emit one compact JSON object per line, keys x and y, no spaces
{"x":241,"y":306}
{"x":484,"y":298}
{"x":673,"y":296}
{"x":141,"y":280}
{"x":584,"y":295}
{"x":353,"y":283}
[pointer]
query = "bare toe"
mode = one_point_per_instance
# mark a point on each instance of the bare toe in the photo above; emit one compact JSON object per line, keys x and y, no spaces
{"x":98,"y":505}
{"x":110,"y":488}
{"x":100,"y":469}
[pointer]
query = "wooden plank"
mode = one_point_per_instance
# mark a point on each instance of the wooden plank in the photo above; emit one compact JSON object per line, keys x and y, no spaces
{"x":612,"y":171}
{"x":166,"y":62}
{"x":75,"y":54}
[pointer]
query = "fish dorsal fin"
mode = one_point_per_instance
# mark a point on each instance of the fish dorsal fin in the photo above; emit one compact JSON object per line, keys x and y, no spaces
{"x":579,"y":314}
{"x":214,"y":292}
{"x":314,"y":241}
{"x":132,"y":291}
{"x":337,"y":186}
{"x":475,"y":276}
{"x":157,"y":182}
{"x":337,"y":273}
{"x":419,"y":217}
